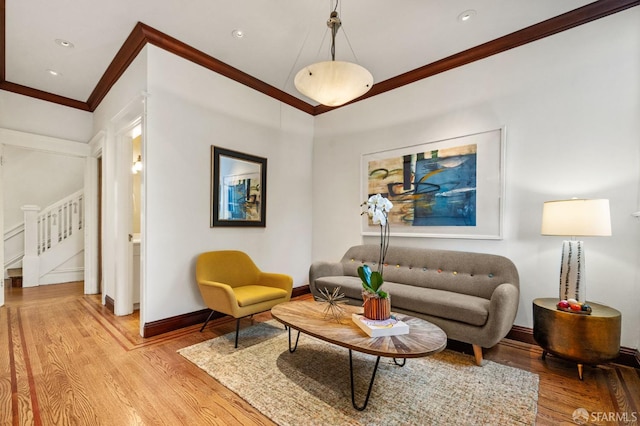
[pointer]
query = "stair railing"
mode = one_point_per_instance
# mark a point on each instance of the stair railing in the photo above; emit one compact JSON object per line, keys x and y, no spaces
{"x":59,"y":221}
{"x":44,"y":229}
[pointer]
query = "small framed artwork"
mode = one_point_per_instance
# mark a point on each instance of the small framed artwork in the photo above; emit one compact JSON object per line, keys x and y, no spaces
{"x":452,"y":188}
{"x":238,"y":188}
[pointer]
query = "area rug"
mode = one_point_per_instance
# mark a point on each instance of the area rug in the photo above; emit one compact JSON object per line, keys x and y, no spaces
{"x":311,"y":386}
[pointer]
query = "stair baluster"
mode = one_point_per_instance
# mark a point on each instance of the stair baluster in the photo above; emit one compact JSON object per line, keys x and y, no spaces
{"x":47,"y":228}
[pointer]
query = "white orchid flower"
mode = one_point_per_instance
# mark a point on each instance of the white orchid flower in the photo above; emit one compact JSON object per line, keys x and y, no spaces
{"x":377,"y":209}
{"x":379,"y":217}
{"x":386,"y":205}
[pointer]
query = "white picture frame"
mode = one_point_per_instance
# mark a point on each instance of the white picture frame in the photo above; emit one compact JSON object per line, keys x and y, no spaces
{"x":455,"y":176}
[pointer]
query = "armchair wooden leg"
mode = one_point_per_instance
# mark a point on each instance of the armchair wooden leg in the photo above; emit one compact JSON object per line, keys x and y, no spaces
{"x":477,"y":353}
{"x":237,"y":331}
{"x":205,"y":323}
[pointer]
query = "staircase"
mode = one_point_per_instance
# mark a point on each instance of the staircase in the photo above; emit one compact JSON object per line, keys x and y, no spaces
{"x":15,"y":277}
{"x":53,"y":244}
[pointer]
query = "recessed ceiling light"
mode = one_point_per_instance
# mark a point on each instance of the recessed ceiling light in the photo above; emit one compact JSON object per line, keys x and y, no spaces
{"x":467,"y":15}
{"x":64,"y":43}
{"x":237,"y":33}
{"x":54,"y":73}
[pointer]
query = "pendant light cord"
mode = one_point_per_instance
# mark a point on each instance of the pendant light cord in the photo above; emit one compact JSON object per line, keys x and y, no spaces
{"x":335,"y":23}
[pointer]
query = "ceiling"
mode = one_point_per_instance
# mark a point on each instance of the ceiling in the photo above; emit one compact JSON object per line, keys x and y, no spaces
{"x":280,"y":37}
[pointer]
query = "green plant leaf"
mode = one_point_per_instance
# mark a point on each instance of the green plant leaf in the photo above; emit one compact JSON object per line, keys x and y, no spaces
{"x":363,"y":275}
{"x":376,"y":281}
{"x":383,"y":294}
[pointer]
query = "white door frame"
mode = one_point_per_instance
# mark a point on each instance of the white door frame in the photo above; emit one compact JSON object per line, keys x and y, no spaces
{"x":91,"y":280}
{"x":117,"y":218}
{"x":2,"y":222}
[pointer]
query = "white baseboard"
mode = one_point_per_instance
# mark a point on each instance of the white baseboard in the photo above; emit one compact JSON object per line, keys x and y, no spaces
{"x":62,"y":276}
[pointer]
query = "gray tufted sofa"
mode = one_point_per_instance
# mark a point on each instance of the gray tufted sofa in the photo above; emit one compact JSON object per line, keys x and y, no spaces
{"x":473,"y":297}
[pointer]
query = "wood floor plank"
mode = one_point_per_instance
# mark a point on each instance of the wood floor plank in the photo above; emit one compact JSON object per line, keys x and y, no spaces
{"x":23,"y":399}
{"x":6,"y":376}
{"x":65,"y":359}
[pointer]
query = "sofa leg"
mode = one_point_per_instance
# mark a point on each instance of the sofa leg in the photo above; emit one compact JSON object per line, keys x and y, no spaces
{"x":237,"y":331}
{"x":477,"y":353}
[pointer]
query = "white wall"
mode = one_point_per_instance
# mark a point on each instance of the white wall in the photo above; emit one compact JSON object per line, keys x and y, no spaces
{"x":121,"y":105}
{"x":570,"y":104}
{"x":39,"y":117}
{"x":127,"y":89}
{"x":40,"y":178}
{"x":189,"y":109}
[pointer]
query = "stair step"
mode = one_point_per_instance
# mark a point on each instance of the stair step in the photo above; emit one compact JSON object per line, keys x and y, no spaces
{"x":15,"y":276}
{"x":14,"y":272}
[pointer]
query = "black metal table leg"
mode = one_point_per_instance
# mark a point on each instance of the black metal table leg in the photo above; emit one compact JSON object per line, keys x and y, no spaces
{"x":373,"y":376}
{"x":297,"y":337}
{"x":404,"y":361}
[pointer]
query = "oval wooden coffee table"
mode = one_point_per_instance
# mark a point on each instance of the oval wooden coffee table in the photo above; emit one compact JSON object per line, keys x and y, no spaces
{"x":309,"y":318}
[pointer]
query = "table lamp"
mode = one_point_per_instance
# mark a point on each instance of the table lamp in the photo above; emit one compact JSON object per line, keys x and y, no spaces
{"x":574,"y":218}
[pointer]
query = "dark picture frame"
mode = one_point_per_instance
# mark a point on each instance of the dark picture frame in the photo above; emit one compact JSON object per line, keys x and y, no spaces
{"x":238,"y":189}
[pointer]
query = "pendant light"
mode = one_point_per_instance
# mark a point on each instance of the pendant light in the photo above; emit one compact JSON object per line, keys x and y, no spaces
{"x":333,"y":83}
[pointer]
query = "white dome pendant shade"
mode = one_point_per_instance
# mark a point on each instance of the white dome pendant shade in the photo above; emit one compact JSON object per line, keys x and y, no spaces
{"x":333,"y":83}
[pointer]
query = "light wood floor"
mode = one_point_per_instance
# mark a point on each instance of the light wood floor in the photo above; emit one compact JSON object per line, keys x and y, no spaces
{"x":64,"y":359}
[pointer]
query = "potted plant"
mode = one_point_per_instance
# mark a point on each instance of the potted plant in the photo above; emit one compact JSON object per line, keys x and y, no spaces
{"x":376,"y":302}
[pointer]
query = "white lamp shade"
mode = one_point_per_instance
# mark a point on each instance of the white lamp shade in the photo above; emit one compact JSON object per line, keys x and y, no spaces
{"x":333,"y":83}
{"x":576,"y":217}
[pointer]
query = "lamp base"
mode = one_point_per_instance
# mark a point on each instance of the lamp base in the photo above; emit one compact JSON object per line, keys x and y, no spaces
{"x":572,"y":277}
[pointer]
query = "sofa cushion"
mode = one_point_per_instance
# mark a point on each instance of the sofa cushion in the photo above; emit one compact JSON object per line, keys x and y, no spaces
{"x":253,"y":294}
{"x":351,"y":286}
{"x":459,"y":307}
{"x":475,"y":274}
{"x":440,"y":303}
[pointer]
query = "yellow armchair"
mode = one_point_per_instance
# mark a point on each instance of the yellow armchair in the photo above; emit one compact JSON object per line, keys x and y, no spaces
{"x":232,"y":284}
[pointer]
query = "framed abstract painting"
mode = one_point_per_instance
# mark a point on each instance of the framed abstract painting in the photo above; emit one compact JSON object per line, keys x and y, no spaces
{"x":451,"y":188}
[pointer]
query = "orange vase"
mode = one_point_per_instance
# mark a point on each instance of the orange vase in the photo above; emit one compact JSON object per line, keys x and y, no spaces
{"x":376,"y":308}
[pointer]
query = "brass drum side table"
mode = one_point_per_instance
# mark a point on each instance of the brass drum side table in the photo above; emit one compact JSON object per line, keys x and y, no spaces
{"x":584,"y":339}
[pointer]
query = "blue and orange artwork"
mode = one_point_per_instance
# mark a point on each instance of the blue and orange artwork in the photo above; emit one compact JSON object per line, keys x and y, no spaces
{"x":434,"y":188}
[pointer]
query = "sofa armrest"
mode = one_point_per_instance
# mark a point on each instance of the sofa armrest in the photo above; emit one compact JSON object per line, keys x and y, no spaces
{"x":323,"y":269}
{"x":270,"y":279}
{"x":218,"y":296}
{"x":502,"y":312}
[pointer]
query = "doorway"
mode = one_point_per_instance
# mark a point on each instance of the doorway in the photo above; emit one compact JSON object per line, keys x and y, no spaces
{"x":117,"y":220}
{"x":136,"y":210}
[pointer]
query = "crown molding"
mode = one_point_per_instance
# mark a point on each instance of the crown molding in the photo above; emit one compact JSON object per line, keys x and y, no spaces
{"x":125,"y":56}
{"x":566,"y":21}
{"x":45,"y":96}
{"x":143,"y":34}
{"x":196,"y":56}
